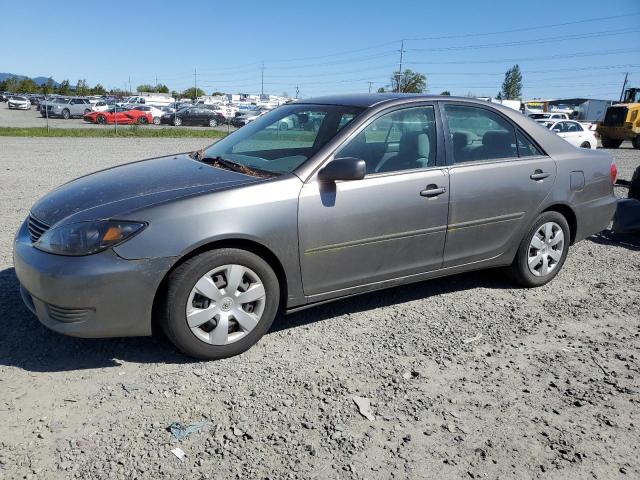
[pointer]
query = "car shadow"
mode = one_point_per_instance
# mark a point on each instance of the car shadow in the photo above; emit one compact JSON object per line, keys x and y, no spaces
{"x":28,"y":345}
{"x":609,"y":238}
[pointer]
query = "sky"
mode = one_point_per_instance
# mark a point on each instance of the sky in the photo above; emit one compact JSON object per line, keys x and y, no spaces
{"x":564,"y":48}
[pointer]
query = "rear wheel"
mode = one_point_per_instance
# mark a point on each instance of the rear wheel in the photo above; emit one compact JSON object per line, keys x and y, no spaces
{"x":542,"y":251}
{"x":585,"y":145}
{"x":611,"y":142}
{"x":66,"y":114}
{"x":102,"y":120}
{"x":156,"y":120}
{"x":220,"y":303}
{"x":143,"y":121}
{"x":213,"y":122}
{"x":177,"y":122}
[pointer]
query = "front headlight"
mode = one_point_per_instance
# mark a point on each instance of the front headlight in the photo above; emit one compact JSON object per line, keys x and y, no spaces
{"x":86,"y":238}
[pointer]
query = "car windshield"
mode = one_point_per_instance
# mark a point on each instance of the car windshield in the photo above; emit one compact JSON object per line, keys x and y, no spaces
{"x":282,"y":140}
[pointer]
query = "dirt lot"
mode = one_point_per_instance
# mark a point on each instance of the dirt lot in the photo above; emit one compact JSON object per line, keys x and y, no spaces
{"x":467,"y":377}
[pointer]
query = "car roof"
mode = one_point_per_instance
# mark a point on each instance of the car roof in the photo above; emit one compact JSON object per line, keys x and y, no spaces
{"x":367,"y":100}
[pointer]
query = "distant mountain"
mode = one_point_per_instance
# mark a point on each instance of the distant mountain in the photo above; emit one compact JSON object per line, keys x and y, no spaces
{"x":38,"y":80}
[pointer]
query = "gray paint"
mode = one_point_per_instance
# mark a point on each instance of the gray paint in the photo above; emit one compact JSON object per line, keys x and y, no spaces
{"x":331,"y":240}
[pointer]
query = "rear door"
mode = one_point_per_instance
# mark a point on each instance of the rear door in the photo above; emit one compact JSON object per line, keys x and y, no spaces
{"x":498,"y":178}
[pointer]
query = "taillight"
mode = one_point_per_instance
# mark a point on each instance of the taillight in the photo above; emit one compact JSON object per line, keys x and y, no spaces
{"x":614,"y":172}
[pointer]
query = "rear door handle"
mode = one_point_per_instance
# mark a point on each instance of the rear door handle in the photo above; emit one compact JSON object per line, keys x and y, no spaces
{"x":432,"y":191}
{"x":539,"y":175}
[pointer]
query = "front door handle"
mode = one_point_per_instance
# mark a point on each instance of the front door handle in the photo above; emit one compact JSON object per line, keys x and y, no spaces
{"x":539,"y":175}
{"x":432,"y":190}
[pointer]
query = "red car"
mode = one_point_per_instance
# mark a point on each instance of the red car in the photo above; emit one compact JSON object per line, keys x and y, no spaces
{"x":120,"y":115}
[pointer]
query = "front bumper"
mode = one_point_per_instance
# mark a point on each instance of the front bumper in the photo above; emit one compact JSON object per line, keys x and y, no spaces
{"x":101,"y":295}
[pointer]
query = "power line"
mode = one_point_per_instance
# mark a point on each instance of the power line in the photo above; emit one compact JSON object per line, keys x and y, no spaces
{"x":534,"y":41}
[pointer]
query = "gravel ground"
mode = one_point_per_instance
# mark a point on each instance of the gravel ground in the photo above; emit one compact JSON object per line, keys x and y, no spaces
{"x":467,"y":377}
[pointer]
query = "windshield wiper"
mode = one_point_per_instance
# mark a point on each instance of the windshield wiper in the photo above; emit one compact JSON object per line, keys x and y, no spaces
{"x":235,"y":167}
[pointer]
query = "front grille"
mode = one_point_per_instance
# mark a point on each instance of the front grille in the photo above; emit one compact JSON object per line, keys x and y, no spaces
{"x":36,"y":228}
{"x":615,"y":116}
{"x":68,"y":315}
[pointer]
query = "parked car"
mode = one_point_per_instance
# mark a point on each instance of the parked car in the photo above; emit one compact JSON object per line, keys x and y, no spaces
{"x":4,"y":96}
{"x":391,"y":189}
{"x":575,"y":133}
{"x":246,"y":118}
{"x":19,"y":103}
{"x":66,"y":108}
{"x":193,"y":116}
{"x":156,"y":113}
{"x":547,"y":119}
{"x":120,"y":115}
{"x":102,"y":106}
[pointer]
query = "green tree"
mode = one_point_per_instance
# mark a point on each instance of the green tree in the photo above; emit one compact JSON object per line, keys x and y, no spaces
{"x":64,"y":88}
{"x":49,"y":86}
{"x":381,"y":90}
{"x":161,"y":88}
{"x":445,"y":92}
{"x":218,"y":94}
{"x":98,"y":90}
{"x":11,"y":84}
{"x":512,"y":85}
{"x":26,"y":85}
{"x":193,"y":92}
{"x":82,"y":88}
{"x":408,"y":82}
{"x":145,"y":87}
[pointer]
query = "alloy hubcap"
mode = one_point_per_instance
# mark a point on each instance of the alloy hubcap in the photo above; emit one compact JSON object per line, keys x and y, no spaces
{"x":225,"y":304}
{"x":545,"y":249}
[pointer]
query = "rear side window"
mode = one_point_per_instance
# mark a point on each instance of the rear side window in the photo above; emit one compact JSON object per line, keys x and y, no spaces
{"x":479,"y":134}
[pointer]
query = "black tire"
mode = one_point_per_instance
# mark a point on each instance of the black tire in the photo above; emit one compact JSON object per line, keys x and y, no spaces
{"x":636,"y":142}
{"x":86,"y":110}
{"x":519,"y":269}
{"x":179,"y":286}
{"x":143,"y":121}
{"x":66,"y":114}
{"x":156,"y":120}
{"x":102,"y":120}
{"x":585,"y":145}
{"x":611,"y":142}
{"x":177,"y":121}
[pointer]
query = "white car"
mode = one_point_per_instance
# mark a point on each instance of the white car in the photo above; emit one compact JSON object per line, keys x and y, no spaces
{"x":19,"y":103}
{"x":156,"y":112}
{"x":575,"y":133}
{"x":547,"y":119}
{"x":101,"y":106}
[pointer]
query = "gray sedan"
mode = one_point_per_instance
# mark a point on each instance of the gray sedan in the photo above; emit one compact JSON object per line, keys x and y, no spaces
{"x":362,"y":193}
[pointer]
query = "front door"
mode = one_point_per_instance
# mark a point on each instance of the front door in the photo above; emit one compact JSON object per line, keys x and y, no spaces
{"x":390,"y":224}
{"x":498,"y":180}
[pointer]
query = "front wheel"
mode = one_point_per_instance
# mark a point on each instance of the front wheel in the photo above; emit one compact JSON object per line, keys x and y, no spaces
{"x":213,"y":122}
{"x":220,"y":303}
{"x":143,"y":121}
{"x":102,"y":120}
{"x":585,"y":145}
{"x":542,"y":251}
{"x":66,"y":114}
{"x":177,"y":122}
{"x":156,"y":120}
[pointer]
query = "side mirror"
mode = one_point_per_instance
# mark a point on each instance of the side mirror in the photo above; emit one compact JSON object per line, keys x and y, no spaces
{"x":348,"y":168}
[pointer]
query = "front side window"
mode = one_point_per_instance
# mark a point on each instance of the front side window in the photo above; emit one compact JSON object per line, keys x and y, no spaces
{"x":283,"y":139}
{"x":479,"y":134}
{"x":400,"y":140}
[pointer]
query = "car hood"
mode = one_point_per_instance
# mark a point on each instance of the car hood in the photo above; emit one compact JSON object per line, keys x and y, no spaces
{"x":119,"y":190}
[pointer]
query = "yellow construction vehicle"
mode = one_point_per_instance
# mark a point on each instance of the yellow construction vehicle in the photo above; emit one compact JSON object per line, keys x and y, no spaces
{"x":622,"y":121}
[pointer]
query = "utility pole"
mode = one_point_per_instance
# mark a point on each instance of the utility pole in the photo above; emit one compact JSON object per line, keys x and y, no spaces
{"x":400,"y":68}
{"x":370,"y":83}
{"x":262,"y":79}
{"x":297,"y":91}
{"x":195,"y":83}
{"x":624,"y":85}
{"x":156,"y":80}
{"x":129,"y":85}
